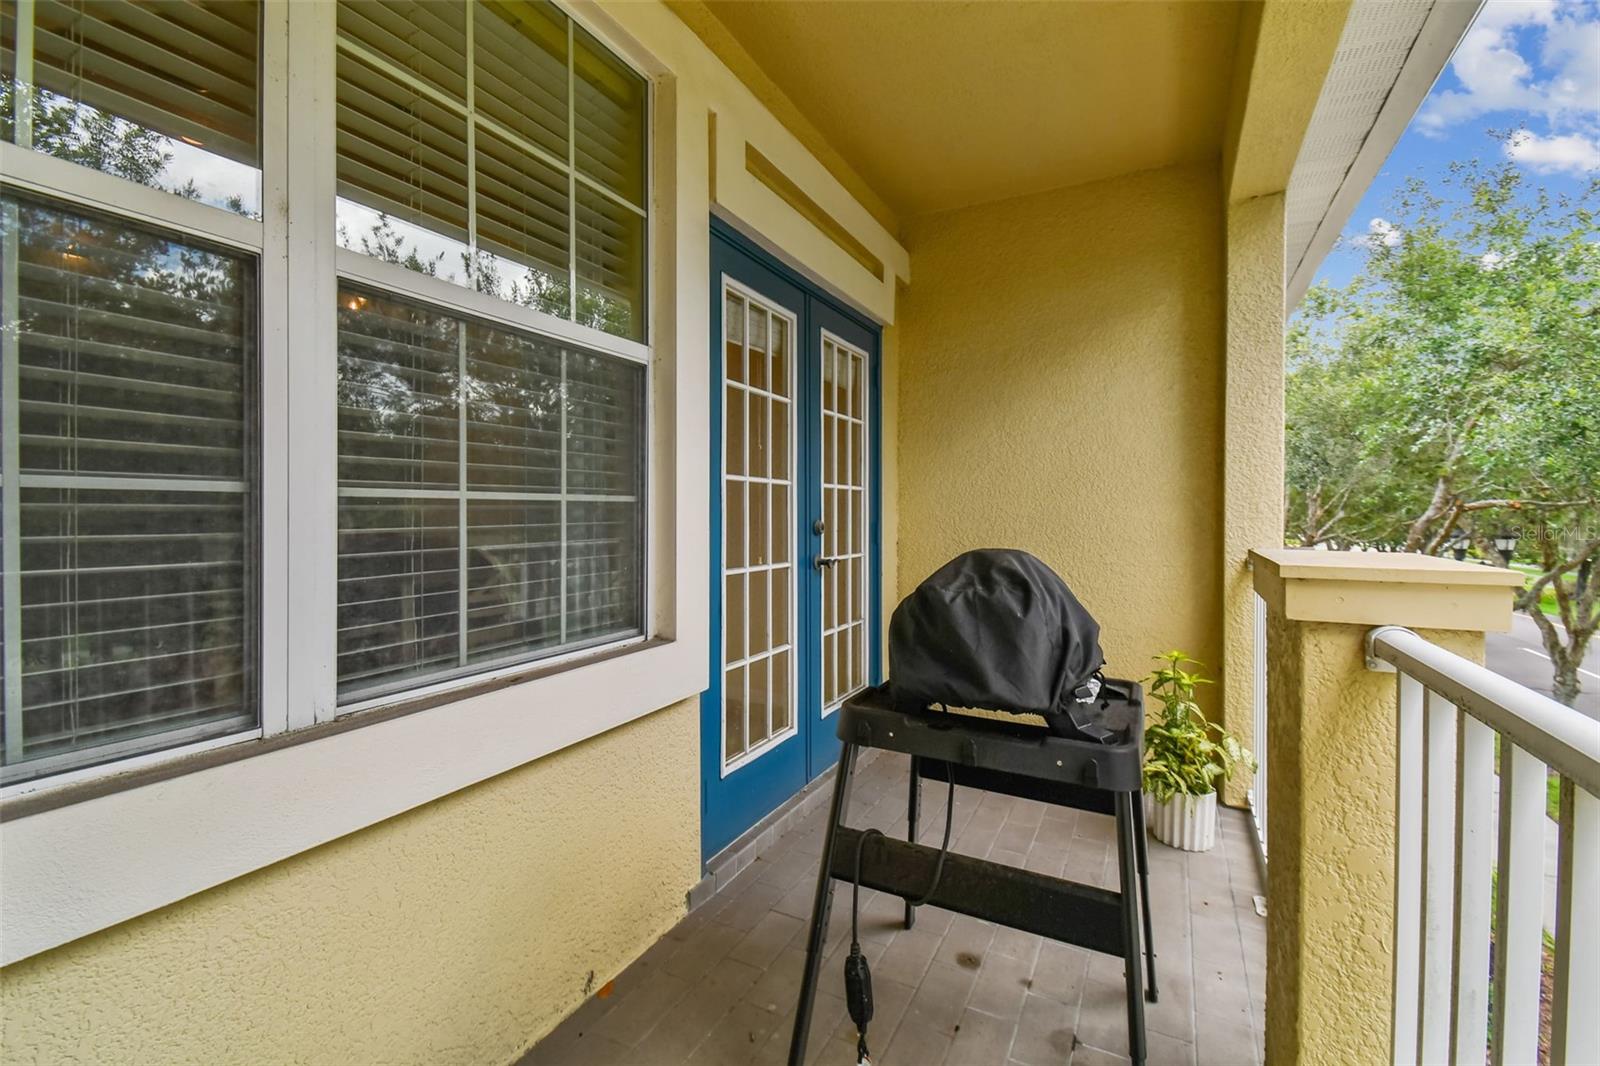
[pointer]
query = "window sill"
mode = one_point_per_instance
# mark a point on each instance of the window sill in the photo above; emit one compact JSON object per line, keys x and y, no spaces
{"x":90,"y":854}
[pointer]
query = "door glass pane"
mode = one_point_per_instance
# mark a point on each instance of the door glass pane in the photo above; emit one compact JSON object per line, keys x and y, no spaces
{"x":844,"y":594}
{"x":759,"y":583}
{"x":733,"y":617}
{"x":757,"y":707}
{"x":782,"y":698}
{"x":757,"y":378}
{"x":733,"y":525}
{"x":757,"y":514}
{"x":733,"y":704}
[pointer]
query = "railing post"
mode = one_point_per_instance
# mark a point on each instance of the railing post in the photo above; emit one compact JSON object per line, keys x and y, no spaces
{"x":1332,"y":733}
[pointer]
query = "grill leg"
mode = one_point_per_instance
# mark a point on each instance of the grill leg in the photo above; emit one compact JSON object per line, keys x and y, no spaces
{"x":913,"y":811}
{"x":1144,"y":895}
{"x":820,"y":907}
{"x":1127,"y":851}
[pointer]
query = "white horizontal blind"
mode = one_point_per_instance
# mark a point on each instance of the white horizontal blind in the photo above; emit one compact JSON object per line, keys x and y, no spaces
{"x":498,"y":147}
{"x":162,"y":94}
{"x":490,"y":505}
{"x":129,"y":435}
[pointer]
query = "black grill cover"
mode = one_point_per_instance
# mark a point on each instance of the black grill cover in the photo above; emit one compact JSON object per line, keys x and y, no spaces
{"x":997,"y":629}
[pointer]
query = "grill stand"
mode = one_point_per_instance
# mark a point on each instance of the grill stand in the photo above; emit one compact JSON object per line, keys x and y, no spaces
{"x":1015,"y":760}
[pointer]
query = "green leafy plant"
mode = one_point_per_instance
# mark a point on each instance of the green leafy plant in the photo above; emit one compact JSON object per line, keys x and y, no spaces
{"x":1184,"y":754}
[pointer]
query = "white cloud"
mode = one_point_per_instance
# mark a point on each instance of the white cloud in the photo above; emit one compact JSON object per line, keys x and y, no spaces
{"x":1571,"y":153}
{"x":1496,"y":77}
{"x":1381,"y":233}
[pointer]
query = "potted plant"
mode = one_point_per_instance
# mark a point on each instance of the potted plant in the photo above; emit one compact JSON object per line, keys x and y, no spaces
{"x":1186,"y":758}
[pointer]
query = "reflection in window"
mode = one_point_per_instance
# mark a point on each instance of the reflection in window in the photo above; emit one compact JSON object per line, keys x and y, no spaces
{"x":490,"y":501}
{"x":161,"y":94}
{"x":457,"y":159}
{"x":130,"y":581}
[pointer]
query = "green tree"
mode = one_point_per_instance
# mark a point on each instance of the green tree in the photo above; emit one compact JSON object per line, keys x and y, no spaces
{"x":1452,"y":389}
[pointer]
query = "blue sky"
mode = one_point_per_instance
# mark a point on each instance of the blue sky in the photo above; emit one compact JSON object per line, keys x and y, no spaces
{"x":1528,"y":65}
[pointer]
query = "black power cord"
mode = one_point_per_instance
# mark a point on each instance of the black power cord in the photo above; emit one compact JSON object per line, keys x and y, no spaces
{"x":857,"y":974}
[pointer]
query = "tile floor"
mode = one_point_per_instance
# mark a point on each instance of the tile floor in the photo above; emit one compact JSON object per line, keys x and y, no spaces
{"x":720,"y":987}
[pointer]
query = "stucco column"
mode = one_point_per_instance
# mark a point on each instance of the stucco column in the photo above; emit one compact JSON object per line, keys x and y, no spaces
{"x":1252,"y":462}
{"x":1330,"y":750}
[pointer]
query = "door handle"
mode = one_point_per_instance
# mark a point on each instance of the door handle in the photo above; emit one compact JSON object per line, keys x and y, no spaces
{"x":822,"y":562}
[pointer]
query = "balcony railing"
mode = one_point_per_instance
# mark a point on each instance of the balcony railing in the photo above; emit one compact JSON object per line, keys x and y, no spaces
{"x":1258,"y":788}
{"x":1474,"y":754}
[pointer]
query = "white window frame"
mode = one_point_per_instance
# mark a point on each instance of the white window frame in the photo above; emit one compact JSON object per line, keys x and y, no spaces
{"x":158,"y":830}
{"x":751,"y":754}
{"x":860,"y":646}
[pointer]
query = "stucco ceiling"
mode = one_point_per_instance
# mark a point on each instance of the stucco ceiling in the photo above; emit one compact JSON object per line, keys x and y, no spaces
{"x":943,"y":105}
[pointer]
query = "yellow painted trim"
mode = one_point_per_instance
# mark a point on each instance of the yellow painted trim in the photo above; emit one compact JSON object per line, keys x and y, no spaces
{"x":1364,"y":588}
{"x":767,"y":173}
{"x":711,"y":154}
{"x":715,"y":36}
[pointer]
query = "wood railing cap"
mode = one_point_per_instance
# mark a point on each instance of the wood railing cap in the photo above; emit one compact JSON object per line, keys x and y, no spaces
{"x":1384,"y":588}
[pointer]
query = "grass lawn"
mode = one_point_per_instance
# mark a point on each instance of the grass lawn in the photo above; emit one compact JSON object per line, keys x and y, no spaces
{"x":1547,"y":598}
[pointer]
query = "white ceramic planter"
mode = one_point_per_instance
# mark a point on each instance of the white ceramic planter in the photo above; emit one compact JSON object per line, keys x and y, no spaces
{"x":1186,"y":822}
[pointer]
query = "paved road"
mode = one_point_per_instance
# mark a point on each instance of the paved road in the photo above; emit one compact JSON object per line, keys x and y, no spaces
{"x":1520,"y":656}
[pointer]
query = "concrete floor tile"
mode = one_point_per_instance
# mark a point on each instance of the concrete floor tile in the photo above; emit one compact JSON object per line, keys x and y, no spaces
{"x":771,"y":934}
{"x":1059,"y":972}
{"x":980,"y":1040}
{"x":1045,"y":1033}
{"x":1002,"y":983}
{"x":966,"y":942}
{"x":736,"y":1039}
{"x":1016,"y":943}
{"x":907,"y":957}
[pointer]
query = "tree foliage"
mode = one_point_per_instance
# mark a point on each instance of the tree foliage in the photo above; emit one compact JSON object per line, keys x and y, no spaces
{"x":1452,"y":389}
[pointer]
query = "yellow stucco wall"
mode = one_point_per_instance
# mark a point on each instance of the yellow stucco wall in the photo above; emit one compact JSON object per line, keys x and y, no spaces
{"x":1252,"y":467}
{"x":458,"y":932}
{"x":1060,"y":391}
{"x":1330,"y":925}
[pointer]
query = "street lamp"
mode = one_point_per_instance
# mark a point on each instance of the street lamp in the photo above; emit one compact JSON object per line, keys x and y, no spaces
{"x":1458,"y":544}
{"x":1505,"y":542}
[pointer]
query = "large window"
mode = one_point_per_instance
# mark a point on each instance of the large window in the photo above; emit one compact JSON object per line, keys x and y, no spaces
{"x":482,"y":375}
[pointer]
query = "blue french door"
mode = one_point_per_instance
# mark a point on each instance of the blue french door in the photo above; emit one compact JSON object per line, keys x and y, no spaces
{"x":794,"y":544}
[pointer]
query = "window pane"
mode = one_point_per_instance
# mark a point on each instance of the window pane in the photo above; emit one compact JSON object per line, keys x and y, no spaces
{"x":401,"y":164}
{"x":133,"y":356}
{"x":399,"y":424}
{"x":399,"y":589}
{"x":513,"y":578}
{"x":605,"y":424}
{"x":605,"y":568}
{"x":513,"y":411}
{"x":535,"y":539}
{"x":610,"y":114}
{"x":161,"y":94}
{"x":522,"y":228}
{"x":520,"y":70}
{"x":610,"y":266}
{"x":461,"y":166}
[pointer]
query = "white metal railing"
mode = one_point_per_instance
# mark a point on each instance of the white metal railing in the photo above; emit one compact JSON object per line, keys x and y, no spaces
{"x":1470,"y":863}
{"x":1258,"y":736}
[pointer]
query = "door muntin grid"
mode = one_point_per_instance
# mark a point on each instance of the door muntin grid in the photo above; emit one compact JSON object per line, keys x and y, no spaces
{"x":759,"y":678}
{"x":845,"y":536}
